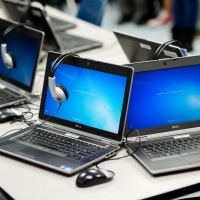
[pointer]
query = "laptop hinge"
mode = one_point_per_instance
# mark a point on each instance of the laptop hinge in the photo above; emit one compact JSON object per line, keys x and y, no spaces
{"x":142,"y":139}
{"x":48,"y":124}
{"x":106,"y":141}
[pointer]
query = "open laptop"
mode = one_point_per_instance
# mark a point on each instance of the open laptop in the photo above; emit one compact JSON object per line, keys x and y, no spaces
{"x":13,"y":10}
{"x":165,"y":108}
{"x":139,"y":49}
{"x":56,"y":41}
{"x":87,"y":128}
{"x":17,"y":85}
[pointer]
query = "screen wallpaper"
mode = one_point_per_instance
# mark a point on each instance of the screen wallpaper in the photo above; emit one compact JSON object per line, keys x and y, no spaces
{"x":164,"y":97}
{"x":25,"y":50}
{"x":95,"y":98}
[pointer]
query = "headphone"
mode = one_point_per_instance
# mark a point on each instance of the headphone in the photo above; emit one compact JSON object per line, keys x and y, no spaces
{"x":58,"y":91}
{"x":163,"y":46}
{"x":8,"y":58}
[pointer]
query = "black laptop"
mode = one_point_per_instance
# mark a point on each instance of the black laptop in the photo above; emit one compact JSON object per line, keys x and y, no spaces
{"x":87,"y":128}
{"x":13,"y":9}
{"x":16,"y":85}
{"x":56,"y":41}
{"x":165,"y":108}
{"x":139,"y":49}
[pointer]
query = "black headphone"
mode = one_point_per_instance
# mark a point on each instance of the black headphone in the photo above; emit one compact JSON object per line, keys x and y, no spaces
{"x":8,"y":58}
{"x":163,"y":46}
{"x":58,"y":91}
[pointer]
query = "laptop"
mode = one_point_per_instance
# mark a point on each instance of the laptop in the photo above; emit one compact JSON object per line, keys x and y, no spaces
{"x":165,"y":108}
{"x":87,"y":128}
{"x":13,"y":10}
{"x":138,"y":49}
{"x":16,"y":85}
{"x":56,"y":41}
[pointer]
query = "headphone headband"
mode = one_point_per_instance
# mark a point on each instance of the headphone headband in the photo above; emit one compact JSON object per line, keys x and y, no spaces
{"x":163,"y":46}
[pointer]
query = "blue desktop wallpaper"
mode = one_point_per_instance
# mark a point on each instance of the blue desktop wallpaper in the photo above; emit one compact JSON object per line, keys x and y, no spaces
{"x":164,"y":97}
{"x":25,"y":51}
{"x":95,"y":98}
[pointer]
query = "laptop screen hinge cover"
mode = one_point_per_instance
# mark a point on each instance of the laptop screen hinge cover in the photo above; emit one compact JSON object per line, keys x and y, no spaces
{"x":106,"y":141}
{"x":49,"y":124}
{"x":141,"y":139}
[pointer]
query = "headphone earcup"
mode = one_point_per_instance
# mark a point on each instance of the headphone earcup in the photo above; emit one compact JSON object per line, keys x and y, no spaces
{"x":63,"y":90}
{"x":13,"y":59}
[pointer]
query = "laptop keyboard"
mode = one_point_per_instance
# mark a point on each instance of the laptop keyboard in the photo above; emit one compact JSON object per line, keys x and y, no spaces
{"x":7,"y":95}
{"x":71,"y":41}
{"x":176,"y":147}
{"x":60,"y":145}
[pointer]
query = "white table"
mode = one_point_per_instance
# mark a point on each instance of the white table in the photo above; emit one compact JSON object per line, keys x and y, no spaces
{"x":25,"y":181}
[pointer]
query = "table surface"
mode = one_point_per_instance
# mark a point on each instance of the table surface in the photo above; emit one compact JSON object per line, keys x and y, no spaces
{"x":23,"y":180}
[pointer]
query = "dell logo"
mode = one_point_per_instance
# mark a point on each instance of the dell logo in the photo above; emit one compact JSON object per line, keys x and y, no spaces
{"x":175,"y":127}
{"x":77,"y":126}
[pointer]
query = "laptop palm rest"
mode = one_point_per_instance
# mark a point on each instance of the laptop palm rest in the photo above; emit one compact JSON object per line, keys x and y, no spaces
{"x":193,"y":159}
{"x":29,"y":152}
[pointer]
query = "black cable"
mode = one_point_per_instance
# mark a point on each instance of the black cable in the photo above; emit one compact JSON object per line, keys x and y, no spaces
{"x":10,"y":131}
{"x":126,"y":142}
{"x":12,"y":141}
{"x":6,"y":75}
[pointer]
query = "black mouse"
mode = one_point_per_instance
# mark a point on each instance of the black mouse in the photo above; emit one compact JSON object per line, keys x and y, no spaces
{"x":6,"y":115}
{"x":92,"y":176}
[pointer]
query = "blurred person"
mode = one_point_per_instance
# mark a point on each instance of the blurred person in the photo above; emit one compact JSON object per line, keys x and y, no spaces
{"x":165,"y":15}
{"x":127,"y":9}
{"x":185,"y":14}
{"x":137,"y":10}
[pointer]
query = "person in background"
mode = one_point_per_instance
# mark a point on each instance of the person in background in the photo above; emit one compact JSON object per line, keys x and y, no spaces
{"x":137,"y":10}
{"x":165,"y":15}
{"x":185,"y":14}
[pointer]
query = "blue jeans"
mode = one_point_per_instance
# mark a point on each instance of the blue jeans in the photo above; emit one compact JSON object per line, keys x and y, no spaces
{"x":185,"y":13}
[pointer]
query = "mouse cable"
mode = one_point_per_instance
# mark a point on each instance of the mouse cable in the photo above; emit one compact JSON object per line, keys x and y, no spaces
{"x":10,"y":131}
{"x":28,"y":132}
{"x":126,"y":142}
{"x":25,"y":117}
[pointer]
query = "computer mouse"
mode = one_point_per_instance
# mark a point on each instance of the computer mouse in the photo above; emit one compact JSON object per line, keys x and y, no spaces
{"x":93,"y":176}
{"x":6,"y":115}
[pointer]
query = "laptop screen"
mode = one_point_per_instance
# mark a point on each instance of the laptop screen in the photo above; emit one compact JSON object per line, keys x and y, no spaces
{"x":165,"y":98}
{"x":19,"y":41}
{"x":97,"y":100}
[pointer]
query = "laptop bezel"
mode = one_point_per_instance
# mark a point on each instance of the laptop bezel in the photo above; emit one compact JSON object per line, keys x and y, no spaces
{"x":86,"y":130}
{"x":28,"y":31}
{"x":166,"y":64}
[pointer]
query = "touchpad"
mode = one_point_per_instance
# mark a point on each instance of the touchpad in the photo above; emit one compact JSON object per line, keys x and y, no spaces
{"x":193,"y":158}
{"x":29,"y":152}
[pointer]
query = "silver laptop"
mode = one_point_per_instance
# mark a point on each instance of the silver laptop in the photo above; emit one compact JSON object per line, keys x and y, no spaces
{"x":16,"y":85}
{"x":165,"y":108}
{"x":56,"y":41}
{"x":139,"y":49}
{"x":13,"y":10}
{"x":87,"y":128}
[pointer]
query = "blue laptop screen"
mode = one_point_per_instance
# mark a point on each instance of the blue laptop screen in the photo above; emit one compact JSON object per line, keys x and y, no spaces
{"x":95,"y":98}
{"x":164,"y":97}
{"x":25,"y":51}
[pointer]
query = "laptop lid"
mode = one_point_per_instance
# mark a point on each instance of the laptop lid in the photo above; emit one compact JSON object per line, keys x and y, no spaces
{"x":165,"y":97}
{"x":18,"y":42}
{"x":98,"y":98}
{"x":138,"y":49}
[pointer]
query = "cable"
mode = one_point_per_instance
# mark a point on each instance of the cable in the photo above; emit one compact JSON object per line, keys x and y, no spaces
{"x":126,"y":142}
{"x":12,"y":141}
{"x":6,"y":74}
{"x":10,"y":131}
